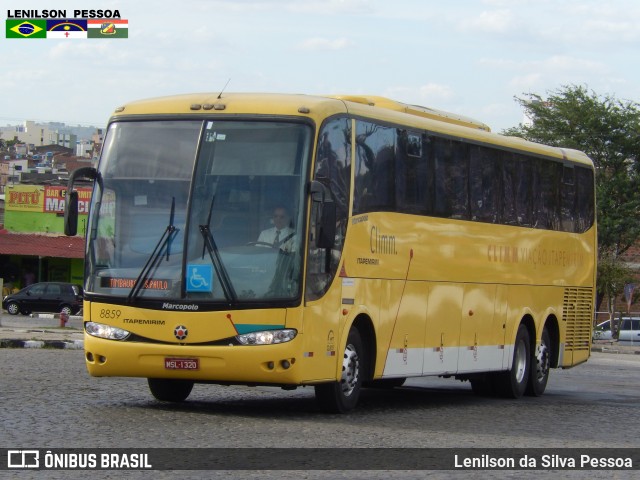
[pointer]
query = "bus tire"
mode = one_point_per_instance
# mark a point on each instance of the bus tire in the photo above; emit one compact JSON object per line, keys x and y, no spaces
{"x":513,"y":383}
{"x":540,"y":365}
{"x":167,"y":390}
{"x":342,"y":396}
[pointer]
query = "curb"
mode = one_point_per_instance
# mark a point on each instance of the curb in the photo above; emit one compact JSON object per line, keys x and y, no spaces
{"x":612,"y":349}
{"x":55,"y":344}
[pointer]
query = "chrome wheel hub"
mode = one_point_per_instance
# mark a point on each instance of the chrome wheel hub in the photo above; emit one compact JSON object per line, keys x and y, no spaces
{"x":350,"y":370}
{"x":542,"y":362}
{"x":520,"y":362}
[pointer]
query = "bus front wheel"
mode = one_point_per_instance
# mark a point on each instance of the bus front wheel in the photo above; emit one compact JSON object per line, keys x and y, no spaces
{"x":513,"y":383}
{"x":342,"y":396}
{"x":167,"y":390}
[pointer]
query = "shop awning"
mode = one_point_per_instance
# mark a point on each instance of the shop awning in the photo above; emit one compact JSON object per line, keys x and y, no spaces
{"x":38,"y":245}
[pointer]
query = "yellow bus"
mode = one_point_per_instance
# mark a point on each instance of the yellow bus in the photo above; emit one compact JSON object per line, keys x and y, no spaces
{"x":339,"y":242}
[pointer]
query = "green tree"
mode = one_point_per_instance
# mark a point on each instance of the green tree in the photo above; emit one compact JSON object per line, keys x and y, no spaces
{"x":612,"y":277}
{"x":608,"y":130}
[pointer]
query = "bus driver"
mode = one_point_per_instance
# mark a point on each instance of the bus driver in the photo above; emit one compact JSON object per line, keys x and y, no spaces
{"x":281,"y":234}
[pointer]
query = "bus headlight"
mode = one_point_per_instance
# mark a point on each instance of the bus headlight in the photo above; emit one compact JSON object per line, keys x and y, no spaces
{"x":106,"y":331}
{"x":267,"y":337}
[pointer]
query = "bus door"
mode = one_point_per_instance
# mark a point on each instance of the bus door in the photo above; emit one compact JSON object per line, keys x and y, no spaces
{"x":329,"y":213}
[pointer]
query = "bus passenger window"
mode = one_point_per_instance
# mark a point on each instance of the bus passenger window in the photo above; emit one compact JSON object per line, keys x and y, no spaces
{"x":411,"y":174}
{"x":547,"y":198}
{"x":484,"y":180}
{"x":451,"y":177}
{"x":584,"y":199}
{"x":375,"y":168}
{"x":568,"y":198}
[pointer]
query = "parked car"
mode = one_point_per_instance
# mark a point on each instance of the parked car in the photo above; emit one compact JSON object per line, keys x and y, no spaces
{"x":629,"y":329}
{"x":602,"y":331}
{"x":51,"y":297}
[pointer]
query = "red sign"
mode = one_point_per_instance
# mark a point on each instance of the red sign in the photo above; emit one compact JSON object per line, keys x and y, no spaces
{"x":55,"y":197}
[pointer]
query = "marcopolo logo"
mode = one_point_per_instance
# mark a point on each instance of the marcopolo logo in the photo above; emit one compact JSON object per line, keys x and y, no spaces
{"x":179,"y":306}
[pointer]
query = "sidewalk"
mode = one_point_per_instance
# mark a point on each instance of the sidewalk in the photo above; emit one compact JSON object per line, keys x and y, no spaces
{"x":44,"y":331}
{"x":41,"y":331}
{"x":612,"y":346}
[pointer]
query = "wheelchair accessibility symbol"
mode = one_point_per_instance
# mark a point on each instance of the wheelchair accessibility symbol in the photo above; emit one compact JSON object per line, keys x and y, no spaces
{"x":199,"y":278}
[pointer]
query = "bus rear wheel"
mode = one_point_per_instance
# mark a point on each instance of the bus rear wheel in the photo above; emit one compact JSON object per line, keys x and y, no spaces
{"x":167,"y":390}
{"x":342,"y":396}
{"x":540,"y":365}
{"x":513,"y":383}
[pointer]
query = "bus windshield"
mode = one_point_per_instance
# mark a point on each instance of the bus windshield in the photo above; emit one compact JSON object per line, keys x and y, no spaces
{"x":195,"y":210}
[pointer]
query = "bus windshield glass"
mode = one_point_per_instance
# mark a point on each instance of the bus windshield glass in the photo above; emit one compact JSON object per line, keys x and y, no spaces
{"x":205,"y":211}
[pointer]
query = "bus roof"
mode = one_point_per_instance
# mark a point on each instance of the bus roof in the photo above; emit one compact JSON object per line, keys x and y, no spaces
{"x":318,"y":107}
{"x":425,"y":112}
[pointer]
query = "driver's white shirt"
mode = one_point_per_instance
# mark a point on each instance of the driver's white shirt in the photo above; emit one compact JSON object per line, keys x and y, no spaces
{"x":269,"y":236}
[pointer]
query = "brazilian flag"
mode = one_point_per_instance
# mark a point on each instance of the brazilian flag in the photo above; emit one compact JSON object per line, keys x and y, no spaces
{"x":26,"y":28}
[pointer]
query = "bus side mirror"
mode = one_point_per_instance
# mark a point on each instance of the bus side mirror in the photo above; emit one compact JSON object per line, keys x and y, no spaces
{"x":324,"y":213}
{"x":71,"y":214}
{"x":326,"y":225}
{"x":71,"y":204}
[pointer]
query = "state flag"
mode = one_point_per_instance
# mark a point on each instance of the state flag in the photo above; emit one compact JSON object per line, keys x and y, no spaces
{"x":26,"y":28}
{"x":108,"y":28}
{"x":67,"y":28}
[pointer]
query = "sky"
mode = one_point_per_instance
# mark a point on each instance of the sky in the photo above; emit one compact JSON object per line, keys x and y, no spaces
{"x":471,"y":57}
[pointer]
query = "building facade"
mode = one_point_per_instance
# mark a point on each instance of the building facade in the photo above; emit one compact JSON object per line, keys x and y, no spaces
{"x":33,"y":180}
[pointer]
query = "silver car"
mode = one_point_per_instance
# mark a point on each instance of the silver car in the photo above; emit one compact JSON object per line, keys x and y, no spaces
{"x":602,"y":331}
{"x":629,"y":329}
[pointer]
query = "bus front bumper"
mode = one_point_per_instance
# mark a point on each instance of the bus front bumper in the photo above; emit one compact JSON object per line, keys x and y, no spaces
{"x":249,"y":365}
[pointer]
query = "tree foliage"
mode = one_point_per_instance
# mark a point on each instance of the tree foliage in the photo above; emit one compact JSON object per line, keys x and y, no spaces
{"x":608,"y":131}
{"x":613,"y":275}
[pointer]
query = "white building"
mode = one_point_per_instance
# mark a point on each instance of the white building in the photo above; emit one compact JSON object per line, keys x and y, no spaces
{"x":29,"y":132}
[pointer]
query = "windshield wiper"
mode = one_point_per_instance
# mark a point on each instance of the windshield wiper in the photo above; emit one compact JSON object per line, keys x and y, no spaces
{"x":165,"y":241}
{"x":214,"y":254}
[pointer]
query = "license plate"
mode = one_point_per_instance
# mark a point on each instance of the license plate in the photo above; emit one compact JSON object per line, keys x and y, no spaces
{"x":181,"y":363}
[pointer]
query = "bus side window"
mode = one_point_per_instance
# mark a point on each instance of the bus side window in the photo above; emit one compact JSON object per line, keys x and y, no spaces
{"x":451,"y":179}
{"x":584,"y":199}
{"x":510,"y":188}
{"x":567,"y":199}
{"x":484,"y":181}
{"x":333,"y":170}
{"x":375,"y":168}
{"x":411,"y":174}
{"x":523,"y":190}
{"x":548,"y":203}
